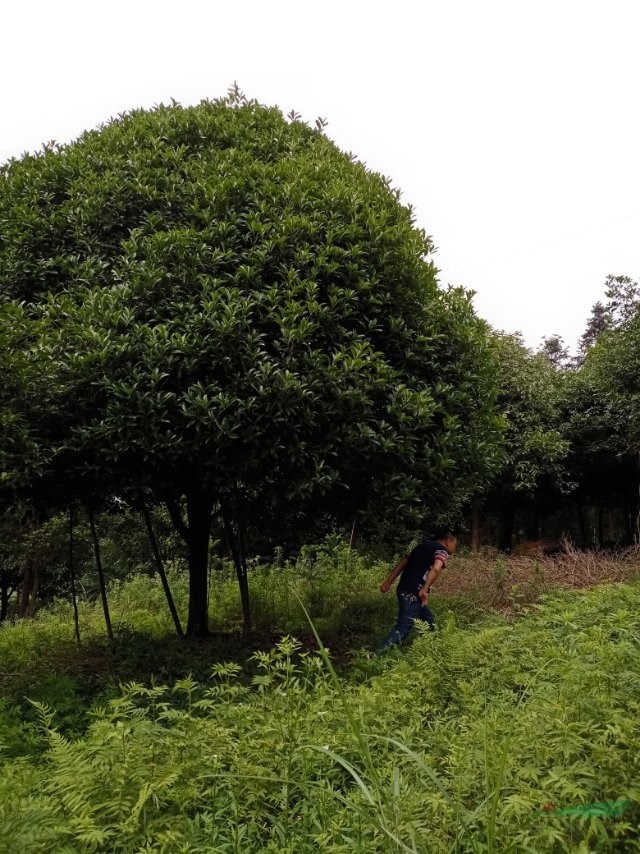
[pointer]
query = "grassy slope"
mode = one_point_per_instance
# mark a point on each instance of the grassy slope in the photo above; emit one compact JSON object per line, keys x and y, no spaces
{"x":488,"y":720}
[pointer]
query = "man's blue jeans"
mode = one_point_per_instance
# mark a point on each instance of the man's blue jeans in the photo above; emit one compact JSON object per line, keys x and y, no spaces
{"x":410,"y":609}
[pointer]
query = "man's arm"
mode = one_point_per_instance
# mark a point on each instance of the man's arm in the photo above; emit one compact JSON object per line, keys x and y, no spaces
{"x":431,"y":578}
{"x":395,"y":572}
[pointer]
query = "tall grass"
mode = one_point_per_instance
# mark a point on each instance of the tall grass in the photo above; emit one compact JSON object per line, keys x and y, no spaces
{"x":338,"y":587}
{"x":506,"y":583}
{"x":452,"y":745}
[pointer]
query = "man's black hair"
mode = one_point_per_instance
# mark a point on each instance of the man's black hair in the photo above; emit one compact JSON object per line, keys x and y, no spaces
{"x":445,"y":532}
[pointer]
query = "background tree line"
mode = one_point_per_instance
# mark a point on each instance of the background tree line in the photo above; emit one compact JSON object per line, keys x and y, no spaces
{"x":215,"y":326}
{"x":572,"y":455}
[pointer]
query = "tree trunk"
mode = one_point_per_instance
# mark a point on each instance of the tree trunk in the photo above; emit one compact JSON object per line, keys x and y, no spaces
{"x":161,"y":572}
{"x":600,"y":525}
{"x":35,"y":587}
{"x":4,"y":601}
{"x":628,"y":515}
{"x":103,"y":588}
{"x":236,"y":549}
{"x":475,"y":526}
{"x":583,"y":528}
{"x":244,"y":583}
{"x":506,"y":527}
{"x":72,"y":574}
{"x":25,"y":588}
{"x":632,"y":522}
{"x":532,"y":524}
{"x":197,"y":535}
{"x":353,"y":534}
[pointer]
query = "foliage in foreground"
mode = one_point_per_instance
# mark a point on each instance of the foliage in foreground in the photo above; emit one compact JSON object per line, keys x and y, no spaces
{"x":454,"y":746}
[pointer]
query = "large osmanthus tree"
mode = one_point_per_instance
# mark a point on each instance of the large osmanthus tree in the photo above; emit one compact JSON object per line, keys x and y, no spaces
{"x":218,"y":306}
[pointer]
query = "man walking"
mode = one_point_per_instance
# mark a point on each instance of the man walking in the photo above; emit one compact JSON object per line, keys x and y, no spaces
{"x":419,"y":571}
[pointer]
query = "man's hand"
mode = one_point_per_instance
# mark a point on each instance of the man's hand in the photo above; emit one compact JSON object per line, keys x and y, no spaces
{"x":385,"y":587}
{"x":431,"y":578}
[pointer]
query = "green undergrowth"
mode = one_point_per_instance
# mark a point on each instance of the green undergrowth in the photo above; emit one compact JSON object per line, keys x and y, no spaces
{"x":454,"y":744}
{"x":339,"y":588}
{"x":40,"y":659}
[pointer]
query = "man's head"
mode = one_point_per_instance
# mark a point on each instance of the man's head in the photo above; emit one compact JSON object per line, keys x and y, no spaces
{"x":448,"y":538}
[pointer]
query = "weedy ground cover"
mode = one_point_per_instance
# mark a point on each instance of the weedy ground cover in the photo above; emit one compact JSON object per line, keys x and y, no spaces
{"x":454,"y":744}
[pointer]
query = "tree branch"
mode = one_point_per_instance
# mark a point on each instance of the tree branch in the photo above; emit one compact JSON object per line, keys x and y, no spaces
{"x":176,"y":517}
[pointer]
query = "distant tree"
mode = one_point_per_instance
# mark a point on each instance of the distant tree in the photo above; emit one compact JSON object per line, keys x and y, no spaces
{"x":599,"y":321}
{"x":605,"y":475}
{"x":10,"y":562}
{"x":32,"y":561}
{"x":534,"y":445}
{"x":613,"y":369}
{"x":622,"y":302}
{"x":223,"y":309}
{"x":556,"y":351}
{"x":623,"y":299}
{"x":602,"y":414}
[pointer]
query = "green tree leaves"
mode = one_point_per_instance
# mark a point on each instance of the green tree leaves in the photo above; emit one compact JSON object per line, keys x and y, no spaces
{"x":530,"y":391}
{"x":221,"y":303}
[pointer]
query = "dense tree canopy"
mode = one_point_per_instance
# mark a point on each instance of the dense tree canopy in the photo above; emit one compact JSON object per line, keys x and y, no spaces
{"x":609,"y":379}
{"x":534,"y":447}
{"x":221,"y":307}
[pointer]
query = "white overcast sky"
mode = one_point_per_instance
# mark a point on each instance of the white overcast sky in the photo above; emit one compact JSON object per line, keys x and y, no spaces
{"x":510,"y":125}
